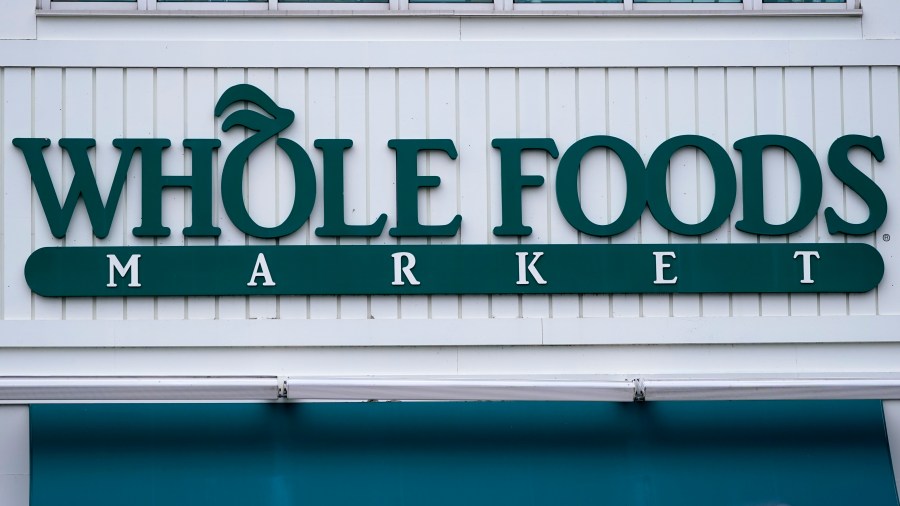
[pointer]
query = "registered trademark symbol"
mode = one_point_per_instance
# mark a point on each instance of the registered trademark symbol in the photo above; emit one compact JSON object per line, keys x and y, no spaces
{"x":886,"y":237}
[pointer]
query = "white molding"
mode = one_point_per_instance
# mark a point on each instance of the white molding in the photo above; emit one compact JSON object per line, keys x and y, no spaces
{"x":80,"y":389}
{"x":454,"y":8}
{"x":449,"y":8}
{"x":262,"y":333}
{"x":769,"y":389}
{"x":82,"y":7}
{"x":459,"y":389}
{"x":98,"y":389}
{"x":686,"y":8}
{"x":819,"y":6}
{"x":289,"y":9}
{"x":721,"y":330}
{"x":572,"y":9}
{"x":199,"y":8}
{"x":473,"y":332}
{"x":446,"y":54}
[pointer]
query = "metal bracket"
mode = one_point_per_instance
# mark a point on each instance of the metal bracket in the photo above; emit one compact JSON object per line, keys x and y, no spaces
{"x":282,"y":388}
{"x":638,"y":390}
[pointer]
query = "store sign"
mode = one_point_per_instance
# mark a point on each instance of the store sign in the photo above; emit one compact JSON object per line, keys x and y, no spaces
{"x":447,"y":269}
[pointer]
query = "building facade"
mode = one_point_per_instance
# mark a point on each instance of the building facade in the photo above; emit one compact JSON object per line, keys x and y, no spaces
{"x":238,"y":205}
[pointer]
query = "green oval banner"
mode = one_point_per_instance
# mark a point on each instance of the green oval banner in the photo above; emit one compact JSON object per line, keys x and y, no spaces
{"x":453,"y":269}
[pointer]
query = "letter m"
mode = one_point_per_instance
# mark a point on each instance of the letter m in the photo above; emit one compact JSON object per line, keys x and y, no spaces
{"x":83,"y":186}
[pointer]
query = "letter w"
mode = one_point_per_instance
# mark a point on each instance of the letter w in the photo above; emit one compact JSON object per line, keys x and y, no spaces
{"x":84,"y":184}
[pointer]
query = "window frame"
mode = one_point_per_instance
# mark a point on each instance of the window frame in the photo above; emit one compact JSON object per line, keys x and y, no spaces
{"x":406,"y":6}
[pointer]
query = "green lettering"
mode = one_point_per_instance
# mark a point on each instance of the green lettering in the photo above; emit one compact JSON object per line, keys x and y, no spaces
{"x":199,"y":182}
{"x":84,"y":183}
{"x":754,"y":221}
{"x":512,"y":181}
{"x":567,"y":185}
{"x":335,"y":224}
{"x":723,"y":174}
{"x":233,"y":172}
{"x":408,"y":183}
{"x":840,"y":165}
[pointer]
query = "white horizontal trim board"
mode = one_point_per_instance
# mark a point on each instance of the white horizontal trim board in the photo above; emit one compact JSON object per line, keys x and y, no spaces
{"x":137,"y":389}
{"x":447,"y":54}
{"x":60,"y":389}
{"x":475,"y":28}
{"x":67,"y":9}
{"x":459,"y":389}
{"x":771,"y":389}
{"x":449,"y":332}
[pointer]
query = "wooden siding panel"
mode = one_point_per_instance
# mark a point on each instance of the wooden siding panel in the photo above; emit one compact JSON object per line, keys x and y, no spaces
{"x":470,"y":106}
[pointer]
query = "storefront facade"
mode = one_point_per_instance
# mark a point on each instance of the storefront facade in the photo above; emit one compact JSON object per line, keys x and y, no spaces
{"x":264,"y":204}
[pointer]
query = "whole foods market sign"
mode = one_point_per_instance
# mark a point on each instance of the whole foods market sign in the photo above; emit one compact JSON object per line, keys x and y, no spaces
{"x":447,"y":269}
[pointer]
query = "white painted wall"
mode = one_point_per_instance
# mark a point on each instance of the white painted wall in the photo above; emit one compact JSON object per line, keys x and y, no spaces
{"x":644,"y":78}
{"x":642,"y":105}
{"x":18,"y":20}
{"x":470,"y":106}
{"x":15,"y":467}
{"x":882,"y":24}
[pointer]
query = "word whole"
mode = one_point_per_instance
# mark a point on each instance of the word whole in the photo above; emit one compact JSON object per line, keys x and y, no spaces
{"x":447,"y":269}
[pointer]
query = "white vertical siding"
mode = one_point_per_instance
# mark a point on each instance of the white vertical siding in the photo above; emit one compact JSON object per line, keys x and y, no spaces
{"x":886,"y":123}
{"x":78,"y":121}
{"x":292,"y":85}
{"x":623,"y":123}
{"x":170,"y":124}
{"x":502,"y":112}
{"x":475,"y":204}
{"x":684,"y":171}
{"x":229,"y":307}
{"x":857,"y":102}
{"x":653,"y":125}
{"x":798,"y":123}
{"x":827,"y":127}
{"x":443,"y":202}
{"x":140,"y":121}
{"x":532,"y":116}
{"x":109,"y":123}
{"x":199,"y":124}
{"x":48,"y":114}
{"x":712,"y":122}
{"x":562,"y":121}
{"x":593,"y":119}
{"x":262,"y":182}
{"x":17,"y":228}
{"x":740,"y":107}
{"x":471,"y":106}
{"x":351,"y":125}
{"x":382,"y":121}
{"x":412,"y":123}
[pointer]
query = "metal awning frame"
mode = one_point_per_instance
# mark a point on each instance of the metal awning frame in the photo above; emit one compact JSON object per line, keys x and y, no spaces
{"x":80,"y":389}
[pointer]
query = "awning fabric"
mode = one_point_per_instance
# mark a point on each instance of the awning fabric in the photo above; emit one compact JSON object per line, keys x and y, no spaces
{"x":748,"y":453}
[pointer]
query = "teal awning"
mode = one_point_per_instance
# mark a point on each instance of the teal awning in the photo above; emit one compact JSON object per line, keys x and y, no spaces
{"x":748,"y":453}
